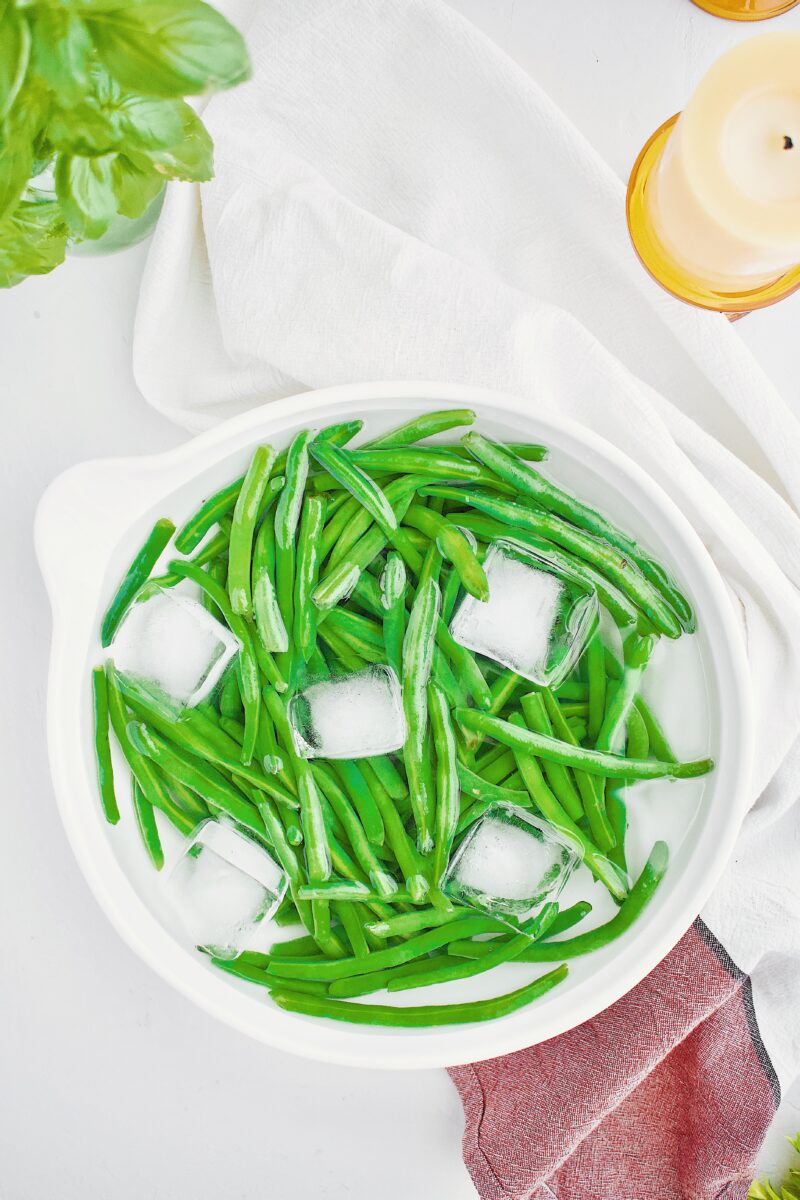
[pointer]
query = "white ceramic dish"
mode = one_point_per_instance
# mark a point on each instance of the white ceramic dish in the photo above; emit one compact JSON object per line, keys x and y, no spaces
{"x":93,"y":518}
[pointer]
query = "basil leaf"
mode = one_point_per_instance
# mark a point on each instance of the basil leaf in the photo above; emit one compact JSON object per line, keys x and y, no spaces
{"x":151,"y":123}
{"x":15,"y":45}
{"x":136,"y":183}
{"x":61,"y":48}
{"x":84,"y":187}
{"x":19,"y":132}
{"x":33,"y":240}
{"x":169,"y":47}
{"x":192,"y":158}
{"x":84,"y":128}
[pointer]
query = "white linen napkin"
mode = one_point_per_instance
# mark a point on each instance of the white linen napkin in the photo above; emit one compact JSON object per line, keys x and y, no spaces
{"x":395,"y":199}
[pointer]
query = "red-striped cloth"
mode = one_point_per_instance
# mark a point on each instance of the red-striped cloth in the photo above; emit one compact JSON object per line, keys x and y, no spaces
{"x":667,"y":1095}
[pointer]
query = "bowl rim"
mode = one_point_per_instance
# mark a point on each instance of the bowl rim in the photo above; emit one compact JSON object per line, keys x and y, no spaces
{"x":70,"y":497}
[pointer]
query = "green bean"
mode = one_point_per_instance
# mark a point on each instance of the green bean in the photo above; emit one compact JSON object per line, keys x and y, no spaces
{"x":137,"y":574}
{"x":617,"y":815}
{"x":293,"y":948}
{"x":639,"y":897}
{"x":342,"y":649}
{"x":500,"y":693}
{"x":381,"y":880}
{"x":192,"y":532}
{"x":362,"y":798}
{"x":637,"y":743}
{"x":268,"y":618}
{"x":529,"y":482}
{"x":447,"y":781}
{"x":199,"y":776}
{"x":422,"y":1015}
{"x":422,"y":460}
{"x":450,"y":594}
{"x":342,"y":432}
{"x":480,"y":789}
{"x":209,"y":554}
{"x":393,"y":587}
{"x":196,"y":734}
{"x":415,"y":947}
{"x":308,"y":559}
{"x":502,"y":952}
{"x":464,"y":665}
{"x":363,"y":985}
{"x":597,"y":862}
{"x":568,"y":917}
{"x":530,"y":451}
{"x":230,"y":696}
{"x":405,"y":924}
{"x":486,"y":528}
{"x":340,"y":581}
{"x":335,"y":889}
{"x":557,"y":775}
{"x":417,"y":662}
{"x":342,"y":466}
{"x":561,"y":728}
{"x":146,"y":821}
{"x":105,"y":769}
{"x":423,"y":426}
{"x":659,"y":745}
{"x":389,"y":776}
{"x":408,"y":859}
{"x":353,"y":928}
{"x":596,"y":670}
{"x":637,"y":651}
{"x":339,"y":525}
{"x":244,"y":522}
{"x":317,"y":853}
{"x":145,"y":772}
{"x":609,"y":561}
{"x":571,"y":690}
{"x":592,"y":761}
{"x":287,"y":516}
{"x":247,"y":663}
{"x":452,"y":543}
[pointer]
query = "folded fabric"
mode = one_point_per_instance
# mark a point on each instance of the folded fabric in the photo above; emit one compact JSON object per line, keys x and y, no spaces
{"x":395,"y":199}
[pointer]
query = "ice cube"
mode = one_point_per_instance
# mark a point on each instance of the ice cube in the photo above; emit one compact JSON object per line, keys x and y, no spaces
{"x":222,"y":887}
{"x":170,"y":640}
{"x":537,"y":619}
{"x":509,"y":864}
{"x":350,"y":716}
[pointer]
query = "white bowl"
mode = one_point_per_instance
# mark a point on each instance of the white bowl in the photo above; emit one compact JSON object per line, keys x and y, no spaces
{"x":93,"y":518}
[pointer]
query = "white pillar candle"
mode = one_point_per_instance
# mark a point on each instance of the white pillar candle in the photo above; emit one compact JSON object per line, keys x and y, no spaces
{"x":725,"y":196}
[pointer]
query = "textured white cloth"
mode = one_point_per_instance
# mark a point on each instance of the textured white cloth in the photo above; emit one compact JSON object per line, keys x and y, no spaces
{"x":395,"y":199}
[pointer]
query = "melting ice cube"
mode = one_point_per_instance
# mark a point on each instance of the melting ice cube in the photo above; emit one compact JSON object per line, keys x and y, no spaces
{"x":222,"y":887}
{"x":170,"y":640}
{"x":352,"y":716}
{"x":537,"y":619}
{"x":509,"y":864}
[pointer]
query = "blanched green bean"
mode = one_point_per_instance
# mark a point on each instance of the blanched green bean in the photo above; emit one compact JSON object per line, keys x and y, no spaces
{"x":243,"y":528}
{"x":137,"y":574}
{"x":428,"y":1014}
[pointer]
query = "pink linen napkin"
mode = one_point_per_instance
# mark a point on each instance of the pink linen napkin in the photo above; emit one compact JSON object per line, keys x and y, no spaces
{"x":668,"y":1093}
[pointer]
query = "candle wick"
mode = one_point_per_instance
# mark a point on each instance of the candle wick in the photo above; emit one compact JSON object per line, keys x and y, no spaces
{"x":788,"y":144}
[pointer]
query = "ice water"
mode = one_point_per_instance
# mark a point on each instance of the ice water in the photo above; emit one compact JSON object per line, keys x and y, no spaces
{"x":171,"y":641}
{"x":350,"y":716}
{"x":222,"y":887}
{"x":537,"y":619}
{"x":509,"y":864}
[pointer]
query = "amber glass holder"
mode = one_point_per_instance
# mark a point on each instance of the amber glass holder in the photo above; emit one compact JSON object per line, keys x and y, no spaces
{"x":664,"y":269}
{"x":746,"y":10}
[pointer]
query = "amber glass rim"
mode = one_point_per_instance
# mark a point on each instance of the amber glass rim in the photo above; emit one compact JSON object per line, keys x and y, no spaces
{"x":721,"y":10}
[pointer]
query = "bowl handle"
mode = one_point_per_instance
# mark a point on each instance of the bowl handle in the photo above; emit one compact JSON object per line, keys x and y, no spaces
{"x":81,"y":517}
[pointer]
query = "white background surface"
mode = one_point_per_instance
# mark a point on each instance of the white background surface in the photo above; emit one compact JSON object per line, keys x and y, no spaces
{"x":112,"y":1085}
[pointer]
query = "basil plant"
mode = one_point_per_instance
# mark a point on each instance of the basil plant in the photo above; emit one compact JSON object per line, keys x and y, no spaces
{"x":92,"y":116}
